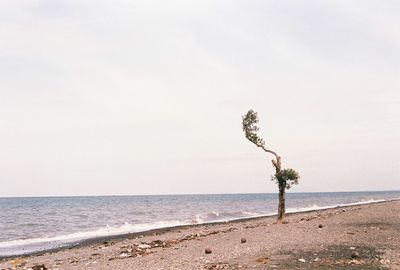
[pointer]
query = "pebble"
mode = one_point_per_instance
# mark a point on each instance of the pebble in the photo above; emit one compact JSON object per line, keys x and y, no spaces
{"x":39,"y":267}
{"x":144,"y":246}
{"x":385,"y":262}
{"x":243,"y":240}
{"x":355,"y":262}
{"x":320,"y":226}
{"x":208,"y":251}
{"x":123,"y":255}
{"x":355,"y":255}
{"x":302,"y":260}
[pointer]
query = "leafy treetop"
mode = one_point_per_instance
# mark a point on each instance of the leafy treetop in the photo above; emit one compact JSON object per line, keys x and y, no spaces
{"x":250,"y":120}
{"x":250,"y":128}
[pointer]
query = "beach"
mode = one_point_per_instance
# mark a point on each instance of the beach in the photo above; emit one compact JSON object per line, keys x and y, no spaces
{"x":163,"y":135}
{"x":354,"y":237}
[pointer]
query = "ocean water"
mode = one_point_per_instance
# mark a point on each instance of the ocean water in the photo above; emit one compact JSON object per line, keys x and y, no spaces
{"x":39,"y":223}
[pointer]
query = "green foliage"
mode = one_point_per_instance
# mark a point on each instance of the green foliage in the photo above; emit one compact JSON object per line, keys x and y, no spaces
{"x":286,"y":178}
{"x":249,"y":125}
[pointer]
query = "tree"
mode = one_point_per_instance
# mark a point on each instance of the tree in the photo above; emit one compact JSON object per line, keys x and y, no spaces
{"x":284,"y":178}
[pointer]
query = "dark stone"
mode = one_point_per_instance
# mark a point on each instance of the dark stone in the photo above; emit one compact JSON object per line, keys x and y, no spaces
{"x":158,"y":242}
{"x":320,"y":226}
{"x":243,"y":240}
{"x":39,"y":267}
{"x":208,"y":251}
{"x":355,"y":255}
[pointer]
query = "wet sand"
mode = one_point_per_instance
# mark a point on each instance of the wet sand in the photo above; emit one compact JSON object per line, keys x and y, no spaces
{"x":355,"y":237}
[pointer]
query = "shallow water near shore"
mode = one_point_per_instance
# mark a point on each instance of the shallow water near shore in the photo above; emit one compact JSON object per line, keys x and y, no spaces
{"x":34,"y":224}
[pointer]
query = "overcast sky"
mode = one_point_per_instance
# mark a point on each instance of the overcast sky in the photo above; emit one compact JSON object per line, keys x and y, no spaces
{"x":146,"y":97}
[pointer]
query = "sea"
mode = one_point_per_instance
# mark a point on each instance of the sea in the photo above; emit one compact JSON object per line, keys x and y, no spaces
{"x":36,"y":224}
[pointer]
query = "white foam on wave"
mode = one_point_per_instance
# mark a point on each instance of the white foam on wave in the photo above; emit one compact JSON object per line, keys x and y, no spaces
{"x":101,"y":232}
{"x":316,"y":207}
{"x":214,"y":216}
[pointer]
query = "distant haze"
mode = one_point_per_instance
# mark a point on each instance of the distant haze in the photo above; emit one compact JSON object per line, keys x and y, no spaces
{"x":146,"y":97}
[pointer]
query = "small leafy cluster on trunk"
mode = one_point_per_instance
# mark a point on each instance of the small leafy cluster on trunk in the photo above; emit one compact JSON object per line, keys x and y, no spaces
{"x":286,"y":178}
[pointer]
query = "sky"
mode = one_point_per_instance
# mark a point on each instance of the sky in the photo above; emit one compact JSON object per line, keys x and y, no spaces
{"x":146,"y":96}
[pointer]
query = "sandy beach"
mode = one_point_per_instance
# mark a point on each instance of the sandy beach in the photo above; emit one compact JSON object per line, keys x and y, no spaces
{"x":355,"y":237}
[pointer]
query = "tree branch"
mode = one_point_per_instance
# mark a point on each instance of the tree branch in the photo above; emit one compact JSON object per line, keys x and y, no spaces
{"x":249,"y":126}
{"x":277,"y":162}
{"x":269,"y":151}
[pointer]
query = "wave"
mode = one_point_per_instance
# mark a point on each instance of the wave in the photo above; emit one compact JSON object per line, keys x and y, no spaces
{"x":215,"y":216}
{"x":316,"y":207}
{"x":101,"y":232}
{"x":27,"y":246}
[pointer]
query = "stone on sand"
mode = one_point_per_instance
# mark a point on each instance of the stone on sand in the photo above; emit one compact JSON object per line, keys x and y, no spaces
{"x":355,"y":255}
{"x":39,"y":267}
{"x":144,"y":246}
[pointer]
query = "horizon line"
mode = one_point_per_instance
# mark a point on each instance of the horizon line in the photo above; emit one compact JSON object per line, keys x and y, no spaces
{"x":195,"y":194}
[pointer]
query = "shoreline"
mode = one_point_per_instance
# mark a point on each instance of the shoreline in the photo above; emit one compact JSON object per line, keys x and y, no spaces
{"x":351,"y":237}
{"x":163,"y":230}
{"x":118,"y":237}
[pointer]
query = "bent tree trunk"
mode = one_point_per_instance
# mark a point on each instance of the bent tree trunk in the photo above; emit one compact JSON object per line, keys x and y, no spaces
{"x":282,"y":187}
{"x":281,"y":205}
